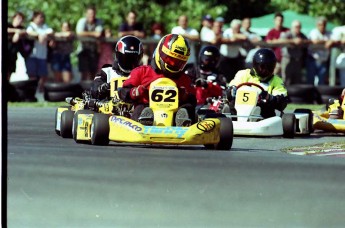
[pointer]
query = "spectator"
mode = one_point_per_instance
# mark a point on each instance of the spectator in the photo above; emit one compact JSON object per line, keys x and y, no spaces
{"x":338,"y":36}
{"x":157,"y":31}
{"x":273,"y":37}
{"x":61,"y":54}
{"x":294,"y":54}
{"x":220,"y":20}
{"x":215,"y":37}
{"x":16,"y":42}
{"x":105,"y":49}
{"x":88,"y":26}
{"x":131,"y":26}
{"x":245,"y":29}
{"x":253,"y":38}
{"x":206,"y":29}
{"x":190,"y":34}
{"x":231,"y":60}
{"x":317,"y":61}
{"x":36,"y":64}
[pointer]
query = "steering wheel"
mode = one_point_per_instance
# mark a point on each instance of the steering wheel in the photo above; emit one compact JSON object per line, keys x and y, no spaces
{"x":250,"y":84}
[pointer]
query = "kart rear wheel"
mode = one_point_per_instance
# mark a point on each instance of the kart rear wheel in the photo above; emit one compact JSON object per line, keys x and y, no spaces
{"x":289,"y":125}
{"x":66,"y":124}
{"x":310,"y":118}
{"x":57,"y":117}
{"x":226,"y":134}
{"x":75,"y":123}
{"x":100,"y":129}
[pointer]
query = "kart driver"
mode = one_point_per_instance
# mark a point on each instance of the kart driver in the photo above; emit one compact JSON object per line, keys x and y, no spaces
{"x":169,"y":60}
{"x":208,"y":81}
{"x":128,"y":54}
{"x":275,"y":94}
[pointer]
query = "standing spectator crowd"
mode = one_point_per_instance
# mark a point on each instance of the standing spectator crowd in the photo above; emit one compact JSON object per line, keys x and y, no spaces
{"x":297,"y":54}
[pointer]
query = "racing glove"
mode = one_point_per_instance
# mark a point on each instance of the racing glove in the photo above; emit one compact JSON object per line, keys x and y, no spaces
{"x":231,"y":92}
{"x":137,"y":92}
{"x":104,"y":88}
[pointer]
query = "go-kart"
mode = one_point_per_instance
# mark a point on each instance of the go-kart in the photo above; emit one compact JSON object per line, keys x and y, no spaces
{"x":331,"y":120}
{"x":65,"y":115}
{"x":249,"y":122}
{"x":213,"y":133}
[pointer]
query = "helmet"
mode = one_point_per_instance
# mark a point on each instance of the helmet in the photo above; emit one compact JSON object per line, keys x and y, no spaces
{"x":171,"y":54}
{"x":208,"y":58}
{"x":264,"y":62}
{"x":128,"y":53}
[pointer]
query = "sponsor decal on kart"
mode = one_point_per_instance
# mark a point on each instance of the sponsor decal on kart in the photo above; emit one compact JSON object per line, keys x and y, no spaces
{"x":206,"y":125}
{"x":179,"y":131}
{"x":126,"y":123}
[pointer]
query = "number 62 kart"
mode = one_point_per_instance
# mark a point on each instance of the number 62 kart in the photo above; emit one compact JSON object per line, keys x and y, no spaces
{"x":99,"y":129}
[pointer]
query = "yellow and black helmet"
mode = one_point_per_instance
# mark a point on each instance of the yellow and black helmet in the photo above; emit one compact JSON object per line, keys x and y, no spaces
{"x":172,"y":53}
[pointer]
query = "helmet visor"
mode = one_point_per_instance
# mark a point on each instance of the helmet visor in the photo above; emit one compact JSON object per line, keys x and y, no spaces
{"x":172,"y":64}
{"x":128,"y":61}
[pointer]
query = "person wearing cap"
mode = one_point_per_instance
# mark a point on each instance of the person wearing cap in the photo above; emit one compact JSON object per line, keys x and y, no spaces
{"x":206,"y":29}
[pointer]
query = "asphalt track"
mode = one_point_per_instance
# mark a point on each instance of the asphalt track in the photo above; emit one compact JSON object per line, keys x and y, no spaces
{"x":54,"y":182}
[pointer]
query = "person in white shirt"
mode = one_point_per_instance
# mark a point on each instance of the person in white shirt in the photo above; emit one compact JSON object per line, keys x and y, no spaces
{"x":206,"y":30}
{"x":36,"y":64}
{"x":190,"y":34}
{"x":232,"y":59}
{"x":318,"y":56}
{"x":338,"y":37}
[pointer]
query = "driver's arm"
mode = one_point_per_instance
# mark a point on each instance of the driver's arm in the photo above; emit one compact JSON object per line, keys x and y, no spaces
{"x":96,"y":88}
{"x":278,"y":98}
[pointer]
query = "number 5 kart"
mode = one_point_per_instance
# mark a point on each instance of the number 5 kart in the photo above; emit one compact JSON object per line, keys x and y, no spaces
{"x":213,"y":133}
{"x":249,"y":122}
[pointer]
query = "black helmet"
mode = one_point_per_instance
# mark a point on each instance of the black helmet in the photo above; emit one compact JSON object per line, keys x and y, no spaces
{"x":264,"y":62}
{"x":128,"y":53}
{"x":208,"y":58}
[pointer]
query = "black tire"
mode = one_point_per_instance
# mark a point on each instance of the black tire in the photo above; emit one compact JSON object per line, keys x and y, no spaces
{"x":59,"y":87}
{"x":303,"y":94}
{"x":289,"y":125}
{"x":226,"y":135}
{"x":310,"y":118}
{"x":60,"y":96}
{"x":59,"y":91}
{"x":75,"y":123}
{"x":56,"y":118}
{"x":100,"y":129}
{"x":86,"y":85}
{"x":66,"y":124}
{"x":328,"y":92}
{"x":25,"y":90}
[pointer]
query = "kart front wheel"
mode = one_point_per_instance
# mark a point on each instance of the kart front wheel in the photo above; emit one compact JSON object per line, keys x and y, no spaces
{"x":289,"y":125}
{"x":66,"y":124}
{"x":100,"y":129}
{"x":75,"y":123}
{"x":310,"y":118}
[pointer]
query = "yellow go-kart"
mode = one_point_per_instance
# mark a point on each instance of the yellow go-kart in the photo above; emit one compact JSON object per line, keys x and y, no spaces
{"x":65,"y":115}
{"x":213,"y":133}
{"x":331,"y":120}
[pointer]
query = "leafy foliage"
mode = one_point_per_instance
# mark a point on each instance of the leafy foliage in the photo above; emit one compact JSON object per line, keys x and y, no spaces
{"x":113,"y":13}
